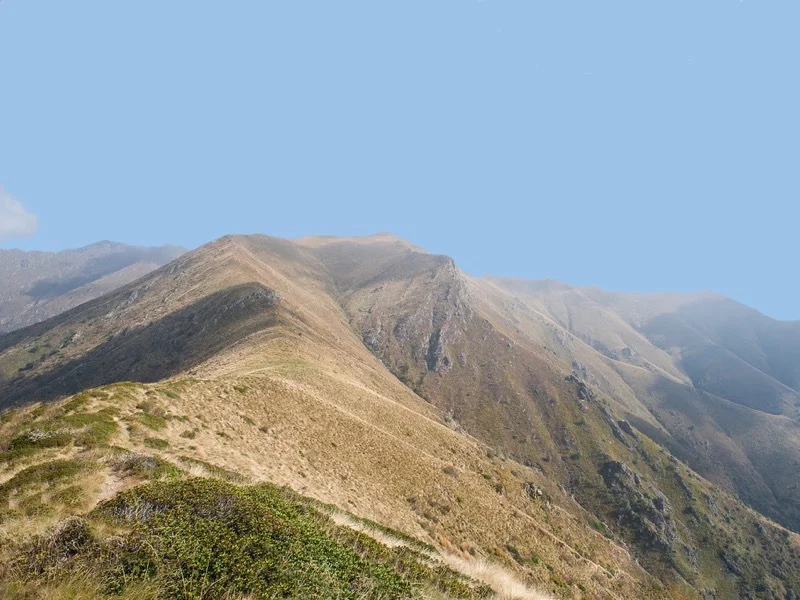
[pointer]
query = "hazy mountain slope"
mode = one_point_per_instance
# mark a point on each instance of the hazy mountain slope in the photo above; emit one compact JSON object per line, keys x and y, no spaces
{"x":691,"y":359}
{"x":597,"y":324}
{"x":274,"y":359}
{"x":734,"y":352}
{"x":726,"y":348}
{"x":39,"y":285}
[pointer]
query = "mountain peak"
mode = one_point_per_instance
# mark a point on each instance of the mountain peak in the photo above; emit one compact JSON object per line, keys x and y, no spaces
{"x":318,"y":241}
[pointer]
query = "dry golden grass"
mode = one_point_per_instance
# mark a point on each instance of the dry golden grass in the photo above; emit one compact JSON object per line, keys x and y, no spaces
{"x":354,"y":448}
{"x":299,"y":400}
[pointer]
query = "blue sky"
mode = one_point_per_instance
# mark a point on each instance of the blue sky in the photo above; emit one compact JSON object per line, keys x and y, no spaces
{"x":627,"y":144}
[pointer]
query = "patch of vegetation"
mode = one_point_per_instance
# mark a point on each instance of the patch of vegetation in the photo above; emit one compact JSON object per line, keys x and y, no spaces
{"x":8,"y":415}
{"x":82,"y":399}
{"x":156,"y":443}
{"x":212,"y":470}
{"x":76,"y":402}
{"x":170,"y":394}
{"x":154,"y":422}
{"x":33,"y":506}
{"x":71,"y":496}
{"x":40,"y":475}
{"x":83,"y":429}
{"x":94,"y":429}
{"x":40,"y":438}
{"x":450,"y":470}
{"x":143,"y":465}
{"x":600,"y":527}
{"x":205,"y":538}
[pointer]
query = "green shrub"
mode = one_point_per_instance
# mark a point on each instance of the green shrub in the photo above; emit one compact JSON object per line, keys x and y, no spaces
{"x":209,"y":539}
{"x":207,"y":535}
{"x":143,"y":465}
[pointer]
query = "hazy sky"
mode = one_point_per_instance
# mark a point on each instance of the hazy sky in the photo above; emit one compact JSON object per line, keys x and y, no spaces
{"x":636,"y":145}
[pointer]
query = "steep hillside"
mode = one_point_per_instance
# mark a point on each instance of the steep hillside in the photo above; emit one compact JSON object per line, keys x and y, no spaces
{"x":268,"y":380}
{"x":40,"y":285}
{"x":157,"y":531}
{"x":713,"y":373}
{"x":372,"y":376}
{"x":510,"y":373}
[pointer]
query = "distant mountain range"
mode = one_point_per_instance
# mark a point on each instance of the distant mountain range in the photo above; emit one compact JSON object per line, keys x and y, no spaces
{"x":589,"y":444}
{"x":39,"y":285}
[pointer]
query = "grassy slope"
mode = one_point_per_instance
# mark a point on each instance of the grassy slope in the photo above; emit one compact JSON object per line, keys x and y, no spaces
{"x":297,"y":399}
{"x":167,"y":535}
{"x":446,"y":495}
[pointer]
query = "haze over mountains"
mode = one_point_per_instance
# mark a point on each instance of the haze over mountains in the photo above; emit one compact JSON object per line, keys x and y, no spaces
{"x":594,"y":444}
{"x":39,"y":285}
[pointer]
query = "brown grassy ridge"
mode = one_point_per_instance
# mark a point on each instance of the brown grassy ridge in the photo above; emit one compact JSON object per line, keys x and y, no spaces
{"x":261,"y":348}
{"x":268,"y":435}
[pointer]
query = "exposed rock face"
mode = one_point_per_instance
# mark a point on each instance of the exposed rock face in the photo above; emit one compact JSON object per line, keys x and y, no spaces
{"x":584,"y":392}
{"x":448,"y":320}
{"x":626,"y":427}
{"x":640,"y":507}
{"x":579,"y":369}
{"x":427,"y":317}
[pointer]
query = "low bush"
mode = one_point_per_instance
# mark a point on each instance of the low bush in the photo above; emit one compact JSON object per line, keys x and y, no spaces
{"x":203,"y":538}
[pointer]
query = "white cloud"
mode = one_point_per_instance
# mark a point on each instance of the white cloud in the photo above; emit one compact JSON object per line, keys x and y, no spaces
{"x":15,"y":220}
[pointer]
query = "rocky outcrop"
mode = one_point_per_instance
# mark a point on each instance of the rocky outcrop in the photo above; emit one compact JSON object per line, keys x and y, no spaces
{"x":640,"y":507}
{"x":425,"y":319}
{"x":584,"y":391}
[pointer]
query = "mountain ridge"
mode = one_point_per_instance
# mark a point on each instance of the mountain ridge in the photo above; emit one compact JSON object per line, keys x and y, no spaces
{"x":378,"y":342}
{"x":39,"y":285}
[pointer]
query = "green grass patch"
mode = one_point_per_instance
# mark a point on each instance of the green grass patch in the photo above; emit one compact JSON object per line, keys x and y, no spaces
{"x":151,"y":421}
{"x":44,"y":474}
{"x":94,"y":429}
{"x":83,"y":429}
{"x":171,"y":394}
{"x":71,"y":497}
{"x":156,"y":443}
